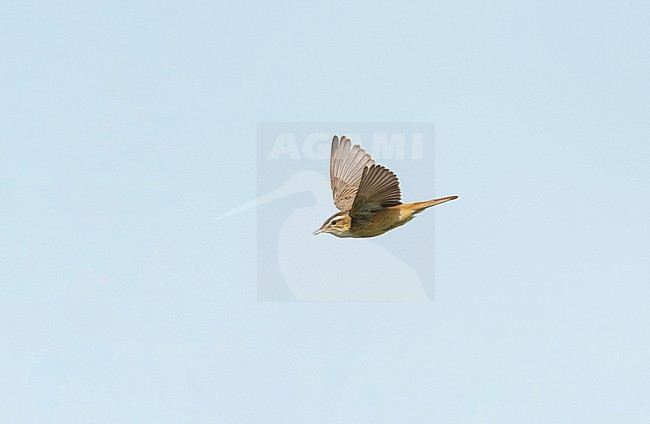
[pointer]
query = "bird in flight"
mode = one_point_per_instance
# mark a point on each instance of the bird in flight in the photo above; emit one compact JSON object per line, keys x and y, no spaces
{"x":367,"y":195}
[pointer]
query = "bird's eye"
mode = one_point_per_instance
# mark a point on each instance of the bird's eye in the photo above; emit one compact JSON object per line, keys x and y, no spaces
{"x":333,"y":223}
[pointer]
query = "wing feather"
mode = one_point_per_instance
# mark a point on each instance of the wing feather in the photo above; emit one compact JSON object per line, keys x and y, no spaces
{"x":347,"y":164}
{"x":379,"y":188}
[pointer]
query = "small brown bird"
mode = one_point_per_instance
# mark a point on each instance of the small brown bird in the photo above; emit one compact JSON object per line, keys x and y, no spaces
{"x":367,"y":194}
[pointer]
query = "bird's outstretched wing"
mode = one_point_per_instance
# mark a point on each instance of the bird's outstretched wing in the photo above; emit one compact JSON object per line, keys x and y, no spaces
{"x":347,"y":164}
{"x":379,"y":188}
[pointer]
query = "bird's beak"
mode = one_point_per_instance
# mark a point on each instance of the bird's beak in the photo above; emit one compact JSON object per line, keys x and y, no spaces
{"x":320,"y":230}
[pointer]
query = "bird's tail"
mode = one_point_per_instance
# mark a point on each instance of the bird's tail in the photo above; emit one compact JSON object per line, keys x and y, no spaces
{"x":420,"y":206}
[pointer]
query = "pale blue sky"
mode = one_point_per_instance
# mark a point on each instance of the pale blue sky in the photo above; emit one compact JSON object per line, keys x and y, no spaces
{"x":125,"y":129}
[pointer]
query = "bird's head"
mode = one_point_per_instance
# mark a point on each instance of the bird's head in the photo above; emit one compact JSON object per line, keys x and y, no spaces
{"x":337,"y":224}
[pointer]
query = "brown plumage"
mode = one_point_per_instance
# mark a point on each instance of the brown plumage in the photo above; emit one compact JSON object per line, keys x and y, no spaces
{"x":368,"y":195}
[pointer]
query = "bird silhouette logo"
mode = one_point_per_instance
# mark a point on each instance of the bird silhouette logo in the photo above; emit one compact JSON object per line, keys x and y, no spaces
{"x":291,"y":193}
